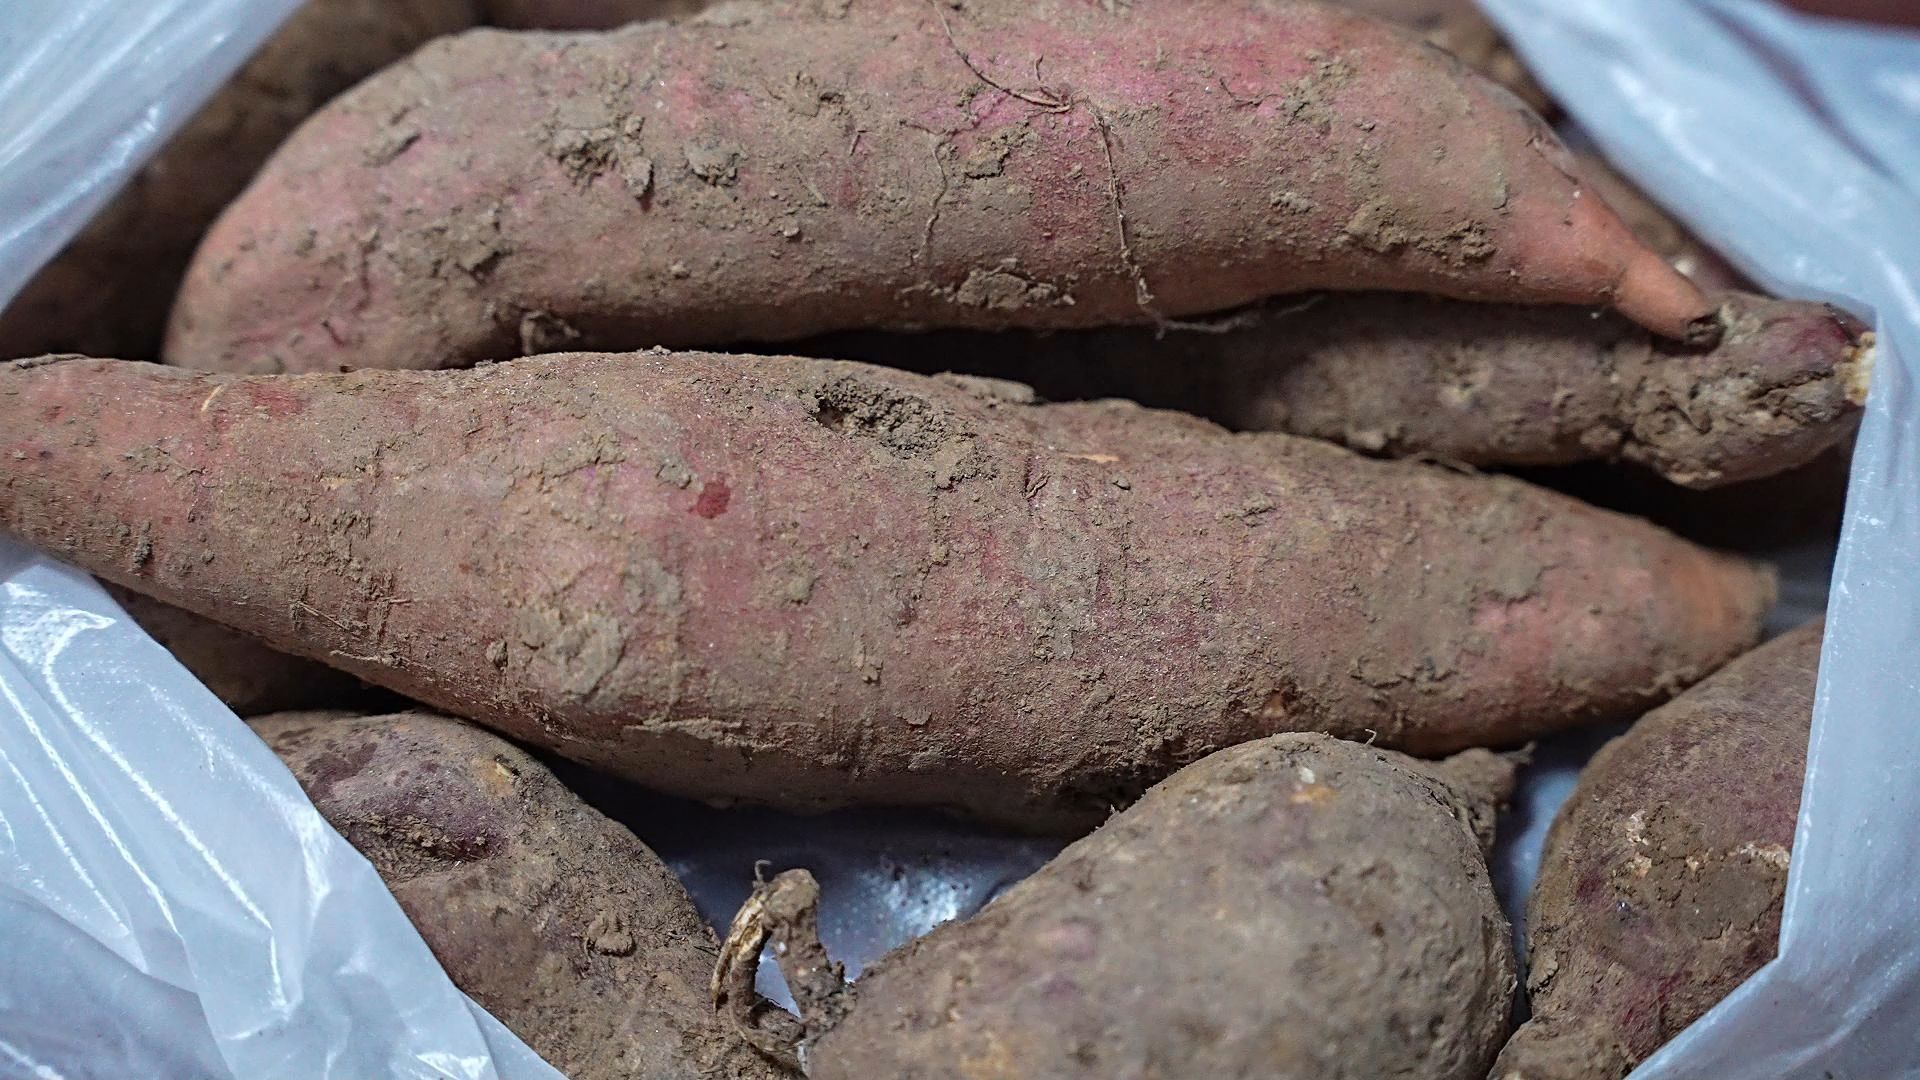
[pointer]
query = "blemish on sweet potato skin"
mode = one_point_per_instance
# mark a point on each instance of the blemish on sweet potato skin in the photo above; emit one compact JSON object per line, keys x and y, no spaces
{"x":763,"y":172}
{"x":1664,"y":876}
{"x":557,"y":920}
{"x":923,"y":590}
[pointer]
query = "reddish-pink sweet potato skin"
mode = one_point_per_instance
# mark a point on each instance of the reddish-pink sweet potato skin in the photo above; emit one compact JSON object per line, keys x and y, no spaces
{"x":814,"y":583}
{"x":558,"y":921}
{"x":768,"y":171}
{"x":1664,"y":875}
{"x":109,"y":292}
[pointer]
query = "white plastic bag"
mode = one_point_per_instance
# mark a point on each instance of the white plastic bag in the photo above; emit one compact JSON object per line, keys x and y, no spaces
{"x":1793,"y":146}
{"x":202,"y":921}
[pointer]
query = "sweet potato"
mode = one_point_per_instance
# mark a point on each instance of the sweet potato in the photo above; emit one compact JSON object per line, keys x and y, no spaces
{"x":1458,"y":27}
{"x":109,"y":291}
{"x":814,"y":583}
{"x":584,"y":14}
{"x":1296,"y":907}
{"x":764,"y":172}
{"x":250,"y":677}
{"x":1657,"y":229}
{"x":1664,"y":875}
{"x":1484,"y":384}
{"x":558,"y":921}
{"x":1454,"y":25}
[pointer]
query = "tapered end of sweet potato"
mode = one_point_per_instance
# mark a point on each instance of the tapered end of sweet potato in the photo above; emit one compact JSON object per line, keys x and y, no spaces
{"x":1786,"y":383}
{"x":1657,"y":296}
{"x":1547,"y":1048}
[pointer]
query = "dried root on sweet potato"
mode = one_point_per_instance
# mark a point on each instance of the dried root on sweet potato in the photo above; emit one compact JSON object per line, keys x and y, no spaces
{"x":1664,"y":875}
{"x":109,"y":291}
{"x":1297,"y":907}
{"x":771,"y":171}
{"x":555,"y":919}
{"x":814,"y":583}
{"x":246,"y":674}
{"x":1483,"y":384}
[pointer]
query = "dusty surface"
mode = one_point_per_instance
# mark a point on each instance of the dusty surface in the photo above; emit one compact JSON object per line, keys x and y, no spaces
{"x":765,"y":171}
{"x":584,"y":14}
{"x":1483,"y":384}
{"x":555,"y":919}
{"x":241,"y":671}
{"x":108,"y":293}
{"x":814,"y":584}
{"x":1664,"y":875}
{"x":1297,"y":907}
{"x":1458,"y":27}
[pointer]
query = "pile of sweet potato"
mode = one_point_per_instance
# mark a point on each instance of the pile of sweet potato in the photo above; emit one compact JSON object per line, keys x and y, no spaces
{"x":1276,"y":630}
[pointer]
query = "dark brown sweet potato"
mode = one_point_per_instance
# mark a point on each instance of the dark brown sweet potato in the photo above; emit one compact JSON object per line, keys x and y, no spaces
{"x":241,"y":671}
{"x":109,"y":291}
{"x":816,"y":583}
{"x":764,"y":172}
{"x":558,"y":921}
{"x":1664,"y":875}
{"x":1484,"y":384}
{"x":1297,"y":907}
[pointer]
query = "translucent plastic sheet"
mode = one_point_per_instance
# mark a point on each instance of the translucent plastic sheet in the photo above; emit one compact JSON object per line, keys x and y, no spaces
{"x":171,"y":906}
{"x":1793,"y":146}
{"x":89,"y":89}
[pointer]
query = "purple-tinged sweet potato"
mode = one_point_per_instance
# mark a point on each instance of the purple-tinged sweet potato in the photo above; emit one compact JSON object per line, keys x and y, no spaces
{"x":242,"y":672}
{"x":1297,"y":907}
{"x":1483,"y":384}
{"x":764,"y":172}
{"x":109,"y":291}
{"x":556,"y":920}
{"x":813,"y":583}
{"x":1665,"y":873}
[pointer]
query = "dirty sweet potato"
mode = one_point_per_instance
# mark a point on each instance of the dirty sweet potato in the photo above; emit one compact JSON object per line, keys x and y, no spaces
{"x":1664,"y":875}
{"x":1458,"y":27}
{"x":814,"y":583}
{"x":555,"y":919}
{"x":245,"y":674}
{"x":1484,"y":384}
{"x":763,"y":172}
{"x":1454,"y":25}
{"x":1297,"y":907}
{"x":109,"y":291}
